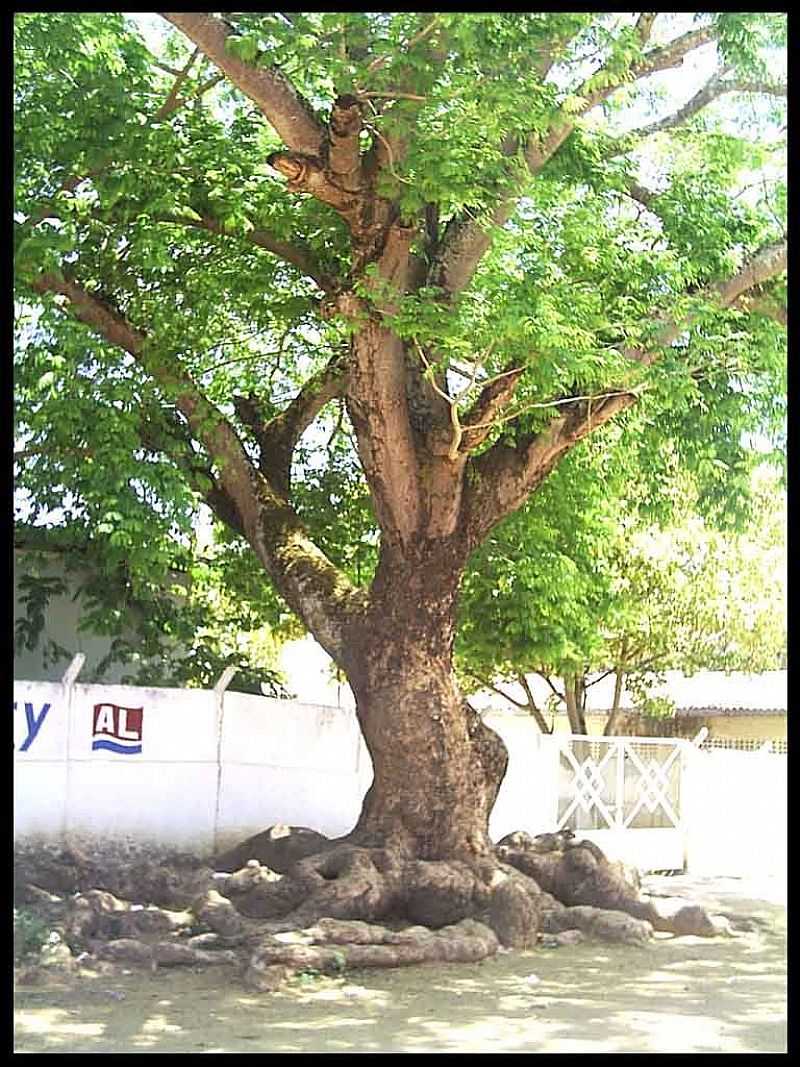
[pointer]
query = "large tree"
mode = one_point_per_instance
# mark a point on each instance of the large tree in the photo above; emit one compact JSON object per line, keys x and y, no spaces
{"x":479,"y":239}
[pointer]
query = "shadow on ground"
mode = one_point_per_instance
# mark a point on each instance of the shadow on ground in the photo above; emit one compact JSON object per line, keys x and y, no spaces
{"x":675,"y":995}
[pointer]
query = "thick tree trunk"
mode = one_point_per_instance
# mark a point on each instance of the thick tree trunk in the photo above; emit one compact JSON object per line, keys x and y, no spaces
{"x":420,"y":852}
{"x":437,"y":767}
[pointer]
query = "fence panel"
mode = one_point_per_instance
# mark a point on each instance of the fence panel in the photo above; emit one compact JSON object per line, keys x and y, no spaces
{"x":526,"y":800}
{"x":625,"y":794}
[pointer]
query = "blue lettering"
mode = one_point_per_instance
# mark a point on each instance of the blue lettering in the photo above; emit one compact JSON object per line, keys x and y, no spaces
{"x":34,"y":723}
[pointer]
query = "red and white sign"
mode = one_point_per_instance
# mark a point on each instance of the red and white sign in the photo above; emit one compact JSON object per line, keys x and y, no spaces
{"x":117,"y":729}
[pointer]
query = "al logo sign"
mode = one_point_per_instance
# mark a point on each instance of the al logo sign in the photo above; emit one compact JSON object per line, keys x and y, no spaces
{"x":117,"y":729}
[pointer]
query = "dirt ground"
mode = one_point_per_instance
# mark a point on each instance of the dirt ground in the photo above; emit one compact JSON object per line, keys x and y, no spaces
{"x":686,"y":994}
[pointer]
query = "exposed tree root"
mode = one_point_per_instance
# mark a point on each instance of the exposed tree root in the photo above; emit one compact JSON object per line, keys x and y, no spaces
{"x":333,"y":945}
{"x":345,"y":906}
{"x":580,"y":875}
{"x":278,"y":848}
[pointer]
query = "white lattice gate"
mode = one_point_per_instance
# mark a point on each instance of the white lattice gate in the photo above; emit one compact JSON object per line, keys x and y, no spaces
{"x":625,"y":794}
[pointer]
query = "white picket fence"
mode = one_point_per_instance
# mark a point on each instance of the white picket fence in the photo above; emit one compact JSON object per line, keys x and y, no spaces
{"x":201,"y":769}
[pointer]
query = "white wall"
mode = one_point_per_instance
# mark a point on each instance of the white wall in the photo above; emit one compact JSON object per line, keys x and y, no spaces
{"x":528,"y":796}
{"x":301,"y":764}
{"x":40,"y":757}
{"x":738,"y":813}
{"x":209,"y":769}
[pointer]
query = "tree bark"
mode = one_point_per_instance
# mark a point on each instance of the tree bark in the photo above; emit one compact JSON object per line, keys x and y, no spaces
{"x":613,"y":719}
{"x":437,"y":767}
{"x":575,"y":701}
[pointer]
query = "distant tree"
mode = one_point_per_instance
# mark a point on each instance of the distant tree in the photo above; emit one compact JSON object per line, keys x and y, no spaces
{"x":631,"y":599}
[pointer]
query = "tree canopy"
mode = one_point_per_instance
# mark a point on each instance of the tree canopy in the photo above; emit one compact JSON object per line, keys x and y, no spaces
{"x":154,"y":195}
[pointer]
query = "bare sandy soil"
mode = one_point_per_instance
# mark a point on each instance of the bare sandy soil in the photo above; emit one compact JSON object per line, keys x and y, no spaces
{"x":687,"y":994}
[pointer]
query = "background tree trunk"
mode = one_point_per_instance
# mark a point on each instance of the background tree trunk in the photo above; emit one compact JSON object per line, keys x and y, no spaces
{"x":612,"y":725}
{"x":574,"y":695}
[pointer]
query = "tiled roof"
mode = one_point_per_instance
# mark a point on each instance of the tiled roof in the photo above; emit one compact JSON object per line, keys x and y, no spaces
{"x":696,"y":712}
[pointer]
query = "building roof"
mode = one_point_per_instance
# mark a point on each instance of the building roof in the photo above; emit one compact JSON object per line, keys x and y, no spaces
{"x":736,"y":693}
{"x":699,"y":712}
{"x":703,"y":693}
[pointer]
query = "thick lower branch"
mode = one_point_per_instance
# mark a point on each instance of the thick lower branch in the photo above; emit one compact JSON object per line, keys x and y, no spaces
{"x":378,"y":407}
{"x":344,"y":148}
{"x":305,"y":577}
{"x":503,"y":478}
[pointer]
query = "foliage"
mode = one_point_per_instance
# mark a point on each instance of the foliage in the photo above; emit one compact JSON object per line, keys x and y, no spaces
{"x":181,"y":633}
{"x":612,"y":592}
{"x":31,"y":933}
{"x":161,"y":216}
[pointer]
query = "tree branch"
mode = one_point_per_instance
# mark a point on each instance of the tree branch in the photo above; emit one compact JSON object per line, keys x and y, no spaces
{"x":673,"y":54}
{"x":315,"y":589}
{"x":389,"y":148}
{"x":715,"y":87}
{"x":205,"y":420}
{"x":644,"y":25}
{"x":504,"y":477}
{"x":495,"y":396}
{"x":377,"y":404}
{"x":466,"y":242}
{"x":163,"y":432}
{"x":277,"y":437}
{"x":556,"y":693}
{"x":381,"y":61}
{"x":169,"y":104}
{"x":299,"y":257}
{"x":762,"y":304}
{"x":502,"y":693}
{"x":344,"y":149}
{"x":540,"y":720}
{"x":274,"y":95}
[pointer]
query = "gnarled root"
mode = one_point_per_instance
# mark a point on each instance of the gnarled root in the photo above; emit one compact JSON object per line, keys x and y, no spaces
{"x":598,"y":923}
{"x":579,"y":876}
{"x":333,"y":945}
{"x":347,"y":905}
{"x":344,"y":883}
{"x":99,"y":914}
